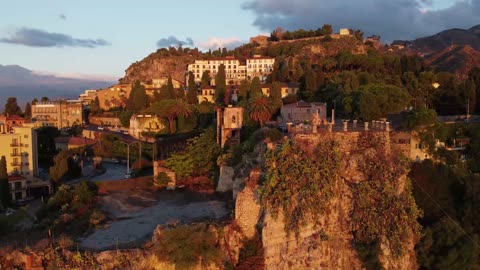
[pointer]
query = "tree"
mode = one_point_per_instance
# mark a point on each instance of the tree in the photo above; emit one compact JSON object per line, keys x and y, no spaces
{"x":255,"y":88}
{"x":171,"y":109}
{"x":358,"y":35}
{"x":243,"y":90}
{"x":170,"y":88}
{"x":308,"y":84}
{"x":260,"y":109}
{"x":198,"y":159}
{"x":11,"y":107}
{"x":4,"y":187}
{"x":276,"y":91}
{"x":220,"y":84}
{"x":65,"y":167}
{"x":44,"y":99}
{"x":327,"y":29}
{"x":28,"y":110}
{"x":34,"y":101}
{"x":95,"y":106}
{"x":205,"y":79}
{"x":378,"y":100}
{"x":46,"y":145}
{"x":192,"y":89}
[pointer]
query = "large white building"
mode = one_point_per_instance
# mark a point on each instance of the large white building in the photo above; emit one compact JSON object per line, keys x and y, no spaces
{"x":234,"y":70}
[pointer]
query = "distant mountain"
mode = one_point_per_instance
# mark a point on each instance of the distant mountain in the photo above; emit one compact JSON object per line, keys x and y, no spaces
{"x":455,"y":50}
{"x":16,"y":81}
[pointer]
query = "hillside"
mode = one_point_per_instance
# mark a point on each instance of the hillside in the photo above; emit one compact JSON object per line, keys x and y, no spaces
{"x":173,"y":62}
{"x":454,"y":50}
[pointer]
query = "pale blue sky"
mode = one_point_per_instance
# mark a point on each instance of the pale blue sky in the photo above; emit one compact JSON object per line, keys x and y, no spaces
{"x":132,"y":28}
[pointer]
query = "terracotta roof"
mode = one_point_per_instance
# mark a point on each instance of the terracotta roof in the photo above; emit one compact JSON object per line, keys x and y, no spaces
{"x":74,"y":140}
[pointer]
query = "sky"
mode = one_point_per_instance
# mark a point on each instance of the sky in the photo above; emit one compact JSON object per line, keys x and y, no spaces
{"x":100,"y":39}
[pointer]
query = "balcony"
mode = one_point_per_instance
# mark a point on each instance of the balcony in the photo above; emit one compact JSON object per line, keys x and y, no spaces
{"x":16,"y":144}
{"x":15,"y":154}
{"x":15,"y":164}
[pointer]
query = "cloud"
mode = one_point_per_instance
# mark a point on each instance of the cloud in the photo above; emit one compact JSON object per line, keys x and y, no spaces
{"x":392,"y":19}
{"x":62,"y":17}
{"x":39,"y":38}
{"x":218,"y":42}
{"x":172,"y":41}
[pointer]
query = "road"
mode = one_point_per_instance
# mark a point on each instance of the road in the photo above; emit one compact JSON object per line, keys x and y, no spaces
{"x":113,"y":172}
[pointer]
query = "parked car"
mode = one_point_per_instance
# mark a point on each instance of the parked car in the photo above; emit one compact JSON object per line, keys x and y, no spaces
{"x":9,"y":212}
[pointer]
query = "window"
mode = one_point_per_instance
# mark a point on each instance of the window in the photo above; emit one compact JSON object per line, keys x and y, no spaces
{"x":234,"y":119}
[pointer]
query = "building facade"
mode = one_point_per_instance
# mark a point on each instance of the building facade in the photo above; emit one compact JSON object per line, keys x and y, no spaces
{"x":114,"y":96}
{"x":229,"y":124}
{"x":302,"y":111}
{"x":60,"y":113}
{"x":259,"y":66}
{"x":206,"y":94}
{"x":20,"y":150}
{"x":145,"y":123}
{"x":235,"y":72}
{"x":8,"y":122}
{"x":88,"y":96}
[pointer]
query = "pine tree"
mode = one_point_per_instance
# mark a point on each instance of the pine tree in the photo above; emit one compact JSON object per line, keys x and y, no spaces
{"x":220,"y":84}
{"x":11,"y":107}
{"x":140,"y":98}
{"x":192,"y":89}
{"x":243,"y":90}
{"x":95,"y":106}
{"x":4,"y":188}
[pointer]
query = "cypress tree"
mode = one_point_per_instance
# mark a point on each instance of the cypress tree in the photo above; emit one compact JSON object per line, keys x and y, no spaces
{"x":171,"y":90}
{"x":205,"y":78}
{"x":192,"y":89}
{"x":255,"y":88}
{"x":28,"y":110}
{"x":220,"y":84}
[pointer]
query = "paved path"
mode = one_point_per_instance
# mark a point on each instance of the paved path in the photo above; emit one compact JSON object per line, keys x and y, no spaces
{"x":113,"y":172}
{"x":135,"y":224}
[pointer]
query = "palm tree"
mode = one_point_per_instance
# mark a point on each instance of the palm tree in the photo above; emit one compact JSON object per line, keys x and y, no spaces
{"x":177,"y":109}
{"x":260,"y":109}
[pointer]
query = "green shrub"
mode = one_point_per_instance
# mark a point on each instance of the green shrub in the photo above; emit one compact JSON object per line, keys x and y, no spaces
{"x":186,"y":246}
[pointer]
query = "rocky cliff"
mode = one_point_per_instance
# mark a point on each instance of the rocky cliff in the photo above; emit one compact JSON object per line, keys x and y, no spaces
{"x":160,"y":64}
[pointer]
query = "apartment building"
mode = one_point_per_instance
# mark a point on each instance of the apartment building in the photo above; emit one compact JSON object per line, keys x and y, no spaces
{"x":59,"y":113}
{"x":235,"y":72}
{"x":259,"y":66}
{"x":20,"y":149}
{"x":88,"y":96}
{"x":114,"y":96}
{"x":8,"y":122}
{"x":206,"y":94}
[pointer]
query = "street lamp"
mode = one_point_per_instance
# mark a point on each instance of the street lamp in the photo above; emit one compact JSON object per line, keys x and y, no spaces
{"x":128,"y":153}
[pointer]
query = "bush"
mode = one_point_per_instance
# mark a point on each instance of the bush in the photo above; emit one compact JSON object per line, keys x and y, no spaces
{"x":187,"y":246}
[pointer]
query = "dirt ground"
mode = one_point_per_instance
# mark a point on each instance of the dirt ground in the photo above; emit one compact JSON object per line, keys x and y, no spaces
{"x":134,"y":215}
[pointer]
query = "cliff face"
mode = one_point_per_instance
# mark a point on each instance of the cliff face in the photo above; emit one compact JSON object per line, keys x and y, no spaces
{"x":157,"y":65}
{"x":329,"y":243}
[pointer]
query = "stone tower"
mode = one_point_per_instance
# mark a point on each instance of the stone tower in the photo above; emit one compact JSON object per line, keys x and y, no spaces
{"x":229,"y":124}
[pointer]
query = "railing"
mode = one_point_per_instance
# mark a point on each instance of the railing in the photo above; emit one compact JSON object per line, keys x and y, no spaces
{"x":16,"y":144}
{"x":16,"y":164}
{"x":15,"y":154}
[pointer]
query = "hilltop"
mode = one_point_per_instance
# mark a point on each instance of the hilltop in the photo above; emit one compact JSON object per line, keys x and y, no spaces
{"x":454,"y":50}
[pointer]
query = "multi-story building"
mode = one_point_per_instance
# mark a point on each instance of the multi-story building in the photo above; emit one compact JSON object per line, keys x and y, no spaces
{"x":114,"y":96}
{"x":8,"y":122}
{"x":302,"y":111}
{"x":259,"y":66}
{"x":140,"y":124}
{"x":235,"y":72}
{"x":87,"y":97}
{"x":20,"y":149}
{"x":59,"y":113}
